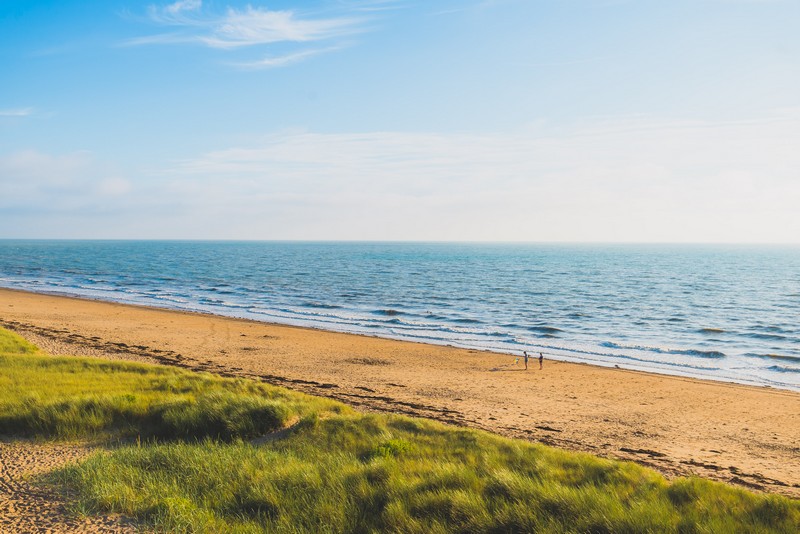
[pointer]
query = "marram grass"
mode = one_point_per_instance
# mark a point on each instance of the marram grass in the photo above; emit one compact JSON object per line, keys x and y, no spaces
{"x":66,"y":397}
{"x":335,"y":470}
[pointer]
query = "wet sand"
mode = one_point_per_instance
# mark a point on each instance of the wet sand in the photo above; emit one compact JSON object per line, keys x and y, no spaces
{"x":749,"y":436}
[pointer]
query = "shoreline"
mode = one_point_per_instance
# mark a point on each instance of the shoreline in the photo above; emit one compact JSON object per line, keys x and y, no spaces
{"x":742,"y":434}
{"x":565,"y":356}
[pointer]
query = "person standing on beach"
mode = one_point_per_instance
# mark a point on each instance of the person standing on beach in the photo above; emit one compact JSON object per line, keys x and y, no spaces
{"x":541,"y":359}
{"x":526,"y":359}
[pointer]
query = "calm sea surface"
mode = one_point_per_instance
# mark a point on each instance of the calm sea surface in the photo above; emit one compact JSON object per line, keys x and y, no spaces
{"x":716,"y":312}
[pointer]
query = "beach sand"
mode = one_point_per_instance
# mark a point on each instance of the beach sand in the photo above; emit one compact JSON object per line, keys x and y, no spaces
{"x":26,"y":506}
{"x":744,"y":435}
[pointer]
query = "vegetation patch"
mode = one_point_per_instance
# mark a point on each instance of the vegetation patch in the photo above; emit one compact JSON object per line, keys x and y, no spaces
{"x":337,"y":470}
{"x":69,"y":398}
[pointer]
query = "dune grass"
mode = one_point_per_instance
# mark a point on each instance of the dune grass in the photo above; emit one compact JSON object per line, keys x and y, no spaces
{"x":68,"y":398}
{"x":336,"y":470}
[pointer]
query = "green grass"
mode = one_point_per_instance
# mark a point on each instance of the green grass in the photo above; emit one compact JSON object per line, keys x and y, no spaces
{"x":336,"y":470}
{"x":67,"y":398}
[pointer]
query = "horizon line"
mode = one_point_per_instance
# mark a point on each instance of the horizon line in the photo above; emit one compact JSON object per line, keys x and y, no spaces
{"x":402,"y":241}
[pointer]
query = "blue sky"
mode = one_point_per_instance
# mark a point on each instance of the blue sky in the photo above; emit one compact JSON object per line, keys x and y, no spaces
{"x":536,"y":120}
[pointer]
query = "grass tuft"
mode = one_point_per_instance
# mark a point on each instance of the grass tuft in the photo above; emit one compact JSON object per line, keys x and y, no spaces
{"x":390,"y":449}
{"x":221,"y":415}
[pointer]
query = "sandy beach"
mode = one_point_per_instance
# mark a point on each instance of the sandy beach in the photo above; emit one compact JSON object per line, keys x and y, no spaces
{"x":26,"y":506}
{"x":749,"y":436}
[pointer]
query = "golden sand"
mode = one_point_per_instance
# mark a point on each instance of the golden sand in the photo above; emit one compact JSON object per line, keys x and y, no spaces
{"x":740,"y":434}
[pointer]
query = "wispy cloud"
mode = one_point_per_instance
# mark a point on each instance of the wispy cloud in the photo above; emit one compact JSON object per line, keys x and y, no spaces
{"x":372,"y":6}
{"x":19,"y":112}
{"x":257,"y":26}
{"x":282,"y":61}
{"x":636,"y":179}
{"x":41,"y":181}
{"x":633,"y":179}
{"x":254,"y":28}
{"x":183,"y":5}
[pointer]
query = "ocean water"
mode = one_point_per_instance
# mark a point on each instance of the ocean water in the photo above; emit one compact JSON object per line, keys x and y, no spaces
{"x":729,"y":313}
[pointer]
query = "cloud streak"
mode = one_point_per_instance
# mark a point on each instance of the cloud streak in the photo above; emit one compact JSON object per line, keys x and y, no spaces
{"x":183,"y":5}
{"x":257,"y":26}
{"x":19,"y":112}
{"x":282,"y":61}
{"x":251,"y":28}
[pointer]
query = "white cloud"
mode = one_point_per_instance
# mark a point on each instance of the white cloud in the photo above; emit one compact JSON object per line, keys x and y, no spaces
{"x":19,"y":112}
{"x":251,"y":27}
{"x":372,"y":6}
{"x":114,"y":186}
{"x":628,"y":180}
{"x":282,"y":61}
{"x":184,"y":5}
{"x":636,"y":179}
{"x":39,"y":182}
{"x":257,"y":26}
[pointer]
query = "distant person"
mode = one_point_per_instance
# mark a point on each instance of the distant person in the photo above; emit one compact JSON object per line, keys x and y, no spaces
{"x":541,"y":359}
{"x":526,"y":359}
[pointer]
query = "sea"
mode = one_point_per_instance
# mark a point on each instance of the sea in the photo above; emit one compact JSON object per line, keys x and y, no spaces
{"x":717,"y":312}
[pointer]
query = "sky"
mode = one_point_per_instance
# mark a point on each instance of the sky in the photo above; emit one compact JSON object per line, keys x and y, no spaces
{"x":441,"y":120}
